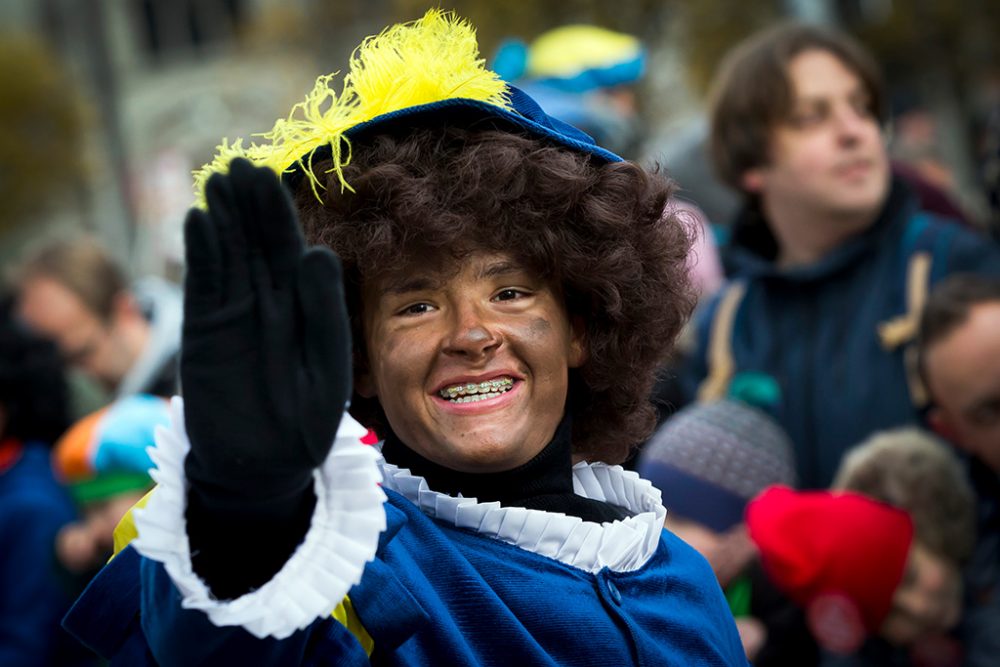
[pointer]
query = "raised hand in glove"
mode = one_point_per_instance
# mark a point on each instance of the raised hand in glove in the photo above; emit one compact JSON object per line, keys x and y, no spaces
{"x":265,"y":372}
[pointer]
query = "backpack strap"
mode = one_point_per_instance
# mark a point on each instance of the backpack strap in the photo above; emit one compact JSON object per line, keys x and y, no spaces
{"x":721,"y":366}
{"x":903,"y":329}
{"x":923,"y":242}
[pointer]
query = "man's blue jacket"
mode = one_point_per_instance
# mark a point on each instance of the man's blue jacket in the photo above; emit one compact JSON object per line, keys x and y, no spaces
{"x":835,"y":338}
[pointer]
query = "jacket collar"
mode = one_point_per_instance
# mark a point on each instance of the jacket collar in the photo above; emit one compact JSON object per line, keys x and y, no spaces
{"x":752,"y":249}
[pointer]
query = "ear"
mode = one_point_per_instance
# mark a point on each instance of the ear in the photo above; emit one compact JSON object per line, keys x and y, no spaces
{"x":752,"y":180}
{"x":578,"y":352}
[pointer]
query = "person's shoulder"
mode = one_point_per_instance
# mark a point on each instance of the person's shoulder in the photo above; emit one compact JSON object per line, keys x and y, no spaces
{"x":685,"y":561}
{"x":958,"y":247}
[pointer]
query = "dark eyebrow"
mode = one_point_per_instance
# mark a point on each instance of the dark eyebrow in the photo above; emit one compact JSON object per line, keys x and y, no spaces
{"x":416,"y":284}
{"x":500,"y":268}
{"x":434,"y":280}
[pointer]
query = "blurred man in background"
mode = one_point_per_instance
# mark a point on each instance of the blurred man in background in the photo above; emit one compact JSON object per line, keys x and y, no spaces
{"x":831,"y":256}
{"x":125,"y":337}
{"x":960,"y":362}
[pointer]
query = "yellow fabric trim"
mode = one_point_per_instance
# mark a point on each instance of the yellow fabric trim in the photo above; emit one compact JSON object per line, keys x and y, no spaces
{"x":903,"y":329}
{"x":125,"y":531}
{"x":346,"y":616}
{"x":429,"y":60}
{"x":720,"y":352}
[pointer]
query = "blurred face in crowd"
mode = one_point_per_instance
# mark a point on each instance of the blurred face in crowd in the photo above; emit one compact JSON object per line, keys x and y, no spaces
{"x":963,"y":376}
{"x":96,"y":347}
{"x":728,"y":553}
{"x":828,"y":157}
{"x":470,"y":363}
{"x":928,"y":599}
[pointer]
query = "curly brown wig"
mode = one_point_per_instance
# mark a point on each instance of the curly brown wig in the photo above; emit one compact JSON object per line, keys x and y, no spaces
{"x":596,"y":230}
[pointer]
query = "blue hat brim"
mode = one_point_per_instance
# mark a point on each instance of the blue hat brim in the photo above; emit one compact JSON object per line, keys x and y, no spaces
{"x":694,"y":498}
{"x":527,"y":117}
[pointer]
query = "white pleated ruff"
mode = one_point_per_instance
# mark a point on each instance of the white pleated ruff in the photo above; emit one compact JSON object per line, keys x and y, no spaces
{"x":350,"y":516}
{"x":342,"y":537}
{"x":622,"y":546}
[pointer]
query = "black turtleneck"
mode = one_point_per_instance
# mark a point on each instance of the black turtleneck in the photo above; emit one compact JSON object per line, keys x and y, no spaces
{"x":543,"y":483}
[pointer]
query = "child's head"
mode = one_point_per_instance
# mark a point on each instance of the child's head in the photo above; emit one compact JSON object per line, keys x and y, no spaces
{"x":914,"y":471}
{"x":708,"y":461}
{"x":854,"y":565}
{"x":103,"y":460}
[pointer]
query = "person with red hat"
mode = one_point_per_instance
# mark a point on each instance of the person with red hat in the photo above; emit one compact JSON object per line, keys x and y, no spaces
{"x":854,"y":564}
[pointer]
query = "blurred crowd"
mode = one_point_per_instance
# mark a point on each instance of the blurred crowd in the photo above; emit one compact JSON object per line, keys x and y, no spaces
{"x":829,"y":432}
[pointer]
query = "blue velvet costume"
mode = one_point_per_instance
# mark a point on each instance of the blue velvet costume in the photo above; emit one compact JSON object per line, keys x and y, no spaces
{"x":438,"y":595}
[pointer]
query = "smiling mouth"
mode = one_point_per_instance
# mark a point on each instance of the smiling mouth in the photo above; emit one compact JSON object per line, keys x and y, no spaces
{"x":477,"y":391}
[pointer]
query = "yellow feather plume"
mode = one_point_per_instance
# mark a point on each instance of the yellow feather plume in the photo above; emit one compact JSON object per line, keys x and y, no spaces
{"x":429,"y":60}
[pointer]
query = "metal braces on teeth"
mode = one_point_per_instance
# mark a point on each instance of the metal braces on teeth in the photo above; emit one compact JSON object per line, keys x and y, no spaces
{"x":488,"y":389}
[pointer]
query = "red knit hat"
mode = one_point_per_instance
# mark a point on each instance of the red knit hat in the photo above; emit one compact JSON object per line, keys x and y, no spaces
{"x":820,"y":545}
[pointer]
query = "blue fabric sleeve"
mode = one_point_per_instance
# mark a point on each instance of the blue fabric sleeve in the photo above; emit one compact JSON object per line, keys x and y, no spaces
{"x":131,"y":614}
{"x":179,"y":636}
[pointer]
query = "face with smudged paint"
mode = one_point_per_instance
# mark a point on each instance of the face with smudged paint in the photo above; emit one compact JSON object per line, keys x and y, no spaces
{"x":470,"y":363}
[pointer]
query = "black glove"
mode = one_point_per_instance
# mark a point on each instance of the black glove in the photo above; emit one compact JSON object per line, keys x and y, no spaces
{"x":265,"y":369}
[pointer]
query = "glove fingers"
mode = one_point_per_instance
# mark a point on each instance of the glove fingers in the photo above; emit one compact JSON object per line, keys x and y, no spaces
{"x":327,"y":345}
{"x":273,"y":228}
{"x":224,"y":211}
{"x":203,"y":279}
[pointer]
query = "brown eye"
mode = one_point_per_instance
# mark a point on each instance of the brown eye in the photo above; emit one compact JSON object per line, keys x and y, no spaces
{"x":416,"y":309}
{"x":508,"y":294}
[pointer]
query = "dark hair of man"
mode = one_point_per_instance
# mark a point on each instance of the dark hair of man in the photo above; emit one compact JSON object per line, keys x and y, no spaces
{"x":83,"y":267}
{"x":34,"y":397}
{"x":751,"y":93}
{"x":948,"y":307}
{"x":595,"y":230}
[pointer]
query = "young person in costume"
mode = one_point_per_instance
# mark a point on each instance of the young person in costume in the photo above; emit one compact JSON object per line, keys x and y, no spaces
{"x":503,"y":290}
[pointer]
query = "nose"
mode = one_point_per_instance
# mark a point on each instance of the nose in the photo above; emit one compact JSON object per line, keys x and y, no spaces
{"x":851,"y":124}
{"x":473,"y":334}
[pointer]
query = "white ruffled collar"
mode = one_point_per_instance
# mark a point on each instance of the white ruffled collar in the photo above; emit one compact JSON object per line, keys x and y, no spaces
{"x":622,"y":546}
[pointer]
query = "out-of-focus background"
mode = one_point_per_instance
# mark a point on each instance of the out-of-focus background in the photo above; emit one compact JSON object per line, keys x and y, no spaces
{"x":108,"y":105}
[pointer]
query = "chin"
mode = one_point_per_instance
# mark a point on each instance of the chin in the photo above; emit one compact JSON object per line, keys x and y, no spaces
{"x":490,"y":461}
